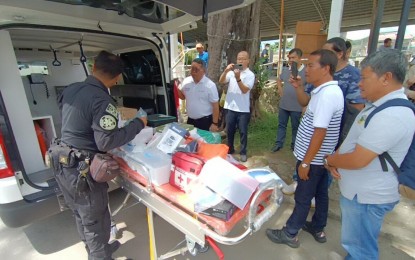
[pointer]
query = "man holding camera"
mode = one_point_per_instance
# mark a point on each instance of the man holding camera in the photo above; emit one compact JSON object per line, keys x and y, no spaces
{"x":241,"y":80}
{"x":289,"y":106}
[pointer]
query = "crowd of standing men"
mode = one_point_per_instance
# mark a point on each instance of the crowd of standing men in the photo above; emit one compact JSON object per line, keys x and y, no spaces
{"x":330,"y":139}
{"x":328,"y":101}
{"x":334,"y":140}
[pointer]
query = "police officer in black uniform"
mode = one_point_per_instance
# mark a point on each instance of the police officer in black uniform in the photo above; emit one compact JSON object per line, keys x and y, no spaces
{"x":89,"y":124}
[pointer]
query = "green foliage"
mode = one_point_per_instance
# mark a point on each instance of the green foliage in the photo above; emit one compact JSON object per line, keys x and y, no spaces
{"x":189,"y":57}
{"x":274,"y":47}
{"x":261,"y":72}
{"x":262,"y":134}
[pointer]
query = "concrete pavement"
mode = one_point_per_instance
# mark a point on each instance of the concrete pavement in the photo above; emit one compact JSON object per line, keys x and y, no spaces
{"x":56,"y":238}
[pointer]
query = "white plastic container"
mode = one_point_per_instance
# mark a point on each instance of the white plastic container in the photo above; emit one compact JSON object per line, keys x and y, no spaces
{"x":156,"y":161}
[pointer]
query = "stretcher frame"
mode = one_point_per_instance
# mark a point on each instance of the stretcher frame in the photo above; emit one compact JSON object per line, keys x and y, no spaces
{"x":196,"y":232}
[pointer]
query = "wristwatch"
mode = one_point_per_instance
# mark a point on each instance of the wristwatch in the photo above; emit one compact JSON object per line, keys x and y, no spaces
{"x":326,"y":163}
{"x":304,"y":165}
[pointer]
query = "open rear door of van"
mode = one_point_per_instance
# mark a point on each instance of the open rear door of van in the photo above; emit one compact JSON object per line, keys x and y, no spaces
{"x":43,"y":43}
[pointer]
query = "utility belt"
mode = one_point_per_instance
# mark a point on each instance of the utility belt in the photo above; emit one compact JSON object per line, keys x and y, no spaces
{"x":61,"y":154}
{"x":100,"y":167}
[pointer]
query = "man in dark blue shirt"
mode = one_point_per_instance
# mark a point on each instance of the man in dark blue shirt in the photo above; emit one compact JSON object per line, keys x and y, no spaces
{"x":90,"y":126}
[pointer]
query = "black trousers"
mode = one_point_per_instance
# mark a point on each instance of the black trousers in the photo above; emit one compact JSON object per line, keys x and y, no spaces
{"x":90,"y":210}
{"x":203,"y":123}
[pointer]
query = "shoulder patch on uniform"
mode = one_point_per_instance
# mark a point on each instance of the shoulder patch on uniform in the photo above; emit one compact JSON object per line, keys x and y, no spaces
{"x":112,"y":110}
{"x":107,"y":122}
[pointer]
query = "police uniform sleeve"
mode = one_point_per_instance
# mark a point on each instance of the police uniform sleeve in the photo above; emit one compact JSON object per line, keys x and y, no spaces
{"x":105,"y":126}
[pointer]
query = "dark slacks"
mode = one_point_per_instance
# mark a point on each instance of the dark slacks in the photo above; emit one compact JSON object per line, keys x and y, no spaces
{"x":316,"y":186}
{"x":238,"y":120}
{"x":203,"y":123}
{"x":90,"y":210}
{"x":283,"y":117}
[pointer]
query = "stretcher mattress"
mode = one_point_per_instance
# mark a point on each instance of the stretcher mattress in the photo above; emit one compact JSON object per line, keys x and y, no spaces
{"x":182,"y":201}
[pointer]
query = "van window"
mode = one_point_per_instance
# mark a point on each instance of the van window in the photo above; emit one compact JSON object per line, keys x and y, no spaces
{"x":141,"y":67}
{"x":145,"y":10}
{"x":34,"y":67}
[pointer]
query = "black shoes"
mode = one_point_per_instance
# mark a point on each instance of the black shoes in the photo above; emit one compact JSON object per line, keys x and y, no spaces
{"x":114,"y":245}
{"x":276,"y":148}
{"x":318,"y":236}
{"x":280,"y":237}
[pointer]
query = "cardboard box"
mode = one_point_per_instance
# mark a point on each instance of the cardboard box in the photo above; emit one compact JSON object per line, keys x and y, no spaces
{"x":223,"y":210}
{"x":126,"y":113}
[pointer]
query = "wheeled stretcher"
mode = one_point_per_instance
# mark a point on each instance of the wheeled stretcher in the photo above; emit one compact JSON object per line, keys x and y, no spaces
{"x":176,"y":208}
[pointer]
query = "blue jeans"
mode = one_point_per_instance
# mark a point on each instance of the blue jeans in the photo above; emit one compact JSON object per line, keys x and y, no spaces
{"x":238,"y":120}
{"x":361,"y":224}
{"x":283,"y":116}
{"x":315,"y":186}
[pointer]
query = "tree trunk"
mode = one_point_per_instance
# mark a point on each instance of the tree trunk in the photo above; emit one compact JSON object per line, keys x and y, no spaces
{"x":229,"y":33}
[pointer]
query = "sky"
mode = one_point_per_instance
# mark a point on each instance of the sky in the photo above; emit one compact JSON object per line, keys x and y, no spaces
{"x":357,"y":35}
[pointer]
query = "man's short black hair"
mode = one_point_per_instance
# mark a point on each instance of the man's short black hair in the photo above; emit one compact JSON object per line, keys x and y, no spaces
{"x":339,"y":45}
{"x":201,"y":62}
{"x":387,"y":40}
{"x":109,"y":64}
{"x":348,"y":45}
{"x":327,"y":58}
{"x":298,"y":51}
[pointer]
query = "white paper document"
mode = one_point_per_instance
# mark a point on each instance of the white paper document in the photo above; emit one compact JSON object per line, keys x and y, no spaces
{"x":228,"y":181}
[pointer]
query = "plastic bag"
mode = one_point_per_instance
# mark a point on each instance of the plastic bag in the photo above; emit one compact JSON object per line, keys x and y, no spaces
{"x":202,"y":197}
{"x":209,"y":137}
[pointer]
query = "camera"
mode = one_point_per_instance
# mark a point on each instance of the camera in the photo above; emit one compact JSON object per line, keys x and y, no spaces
{"x":237,"y":66}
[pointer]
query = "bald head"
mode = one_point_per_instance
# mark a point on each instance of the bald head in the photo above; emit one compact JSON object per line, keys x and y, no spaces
{"x":243,"y":58}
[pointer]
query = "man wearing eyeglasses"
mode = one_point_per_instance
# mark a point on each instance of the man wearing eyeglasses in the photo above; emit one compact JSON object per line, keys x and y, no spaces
{"x":202,"y":99}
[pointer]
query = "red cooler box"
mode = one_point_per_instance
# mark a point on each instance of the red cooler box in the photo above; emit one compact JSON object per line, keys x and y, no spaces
{"x":184,"y":168}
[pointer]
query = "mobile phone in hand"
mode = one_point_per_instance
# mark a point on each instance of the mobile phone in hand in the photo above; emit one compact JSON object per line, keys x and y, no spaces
{"x":237,"y":66}
{"x":294,"y":69}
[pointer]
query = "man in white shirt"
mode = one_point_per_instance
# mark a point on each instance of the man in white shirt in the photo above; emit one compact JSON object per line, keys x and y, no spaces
{"x":241,"y":80}
{"x":317,"y":135}
{"x":202,"y":99}
{"x":369,"y":192}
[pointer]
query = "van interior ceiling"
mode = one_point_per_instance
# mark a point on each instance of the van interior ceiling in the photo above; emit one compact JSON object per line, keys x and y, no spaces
{"x":49,"y":60}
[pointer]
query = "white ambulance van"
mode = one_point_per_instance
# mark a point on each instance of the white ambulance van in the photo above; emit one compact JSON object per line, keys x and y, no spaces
{"x":46,"y":45}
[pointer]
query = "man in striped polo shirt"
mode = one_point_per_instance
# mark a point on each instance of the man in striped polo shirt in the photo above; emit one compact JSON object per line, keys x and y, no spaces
{"x":317,"y":135}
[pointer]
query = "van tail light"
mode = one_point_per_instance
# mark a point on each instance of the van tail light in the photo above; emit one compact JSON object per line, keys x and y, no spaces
{"x":5,"y":165}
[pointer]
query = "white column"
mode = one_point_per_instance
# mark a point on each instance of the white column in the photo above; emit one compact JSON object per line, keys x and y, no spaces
{"x":174,"y":54}
{"x":15,"y":100}
{"x":336,"y":15}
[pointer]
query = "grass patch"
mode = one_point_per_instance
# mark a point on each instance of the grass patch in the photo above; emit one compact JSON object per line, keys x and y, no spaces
{"x":262,"y":134}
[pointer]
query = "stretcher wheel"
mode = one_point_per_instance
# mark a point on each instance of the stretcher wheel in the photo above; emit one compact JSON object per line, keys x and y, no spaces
{"x":203,"y":249}
{"x":195,"y":248}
